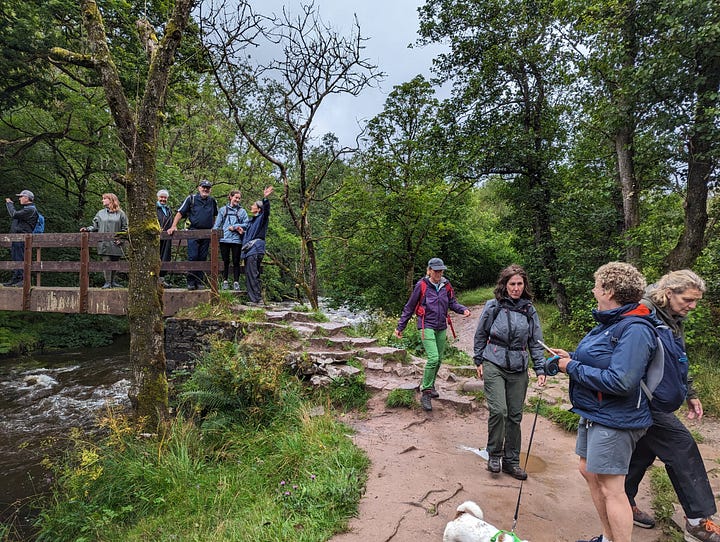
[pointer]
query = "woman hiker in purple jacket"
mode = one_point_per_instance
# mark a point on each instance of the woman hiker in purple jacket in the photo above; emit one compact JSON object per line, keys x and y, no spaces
{"x":430,"y":300}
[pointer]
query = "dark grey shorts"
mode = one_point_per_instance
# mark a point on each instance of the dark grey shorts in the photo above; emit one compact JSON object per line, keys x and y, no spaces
{"x":606,"y":450}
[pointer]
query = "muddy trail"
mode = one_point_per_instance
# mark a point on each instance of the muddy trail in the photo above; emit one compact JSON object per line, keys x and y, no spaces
{"x":425,"y":464}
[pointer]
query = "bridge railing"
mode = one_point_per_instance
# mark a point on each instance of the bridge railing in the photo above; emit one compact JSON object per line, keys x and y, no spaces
{"x":34,"y":265}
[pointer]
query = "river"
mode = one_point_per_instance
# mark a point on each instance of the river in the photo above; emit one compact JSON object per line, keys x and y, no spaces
{"x":43,"y":396}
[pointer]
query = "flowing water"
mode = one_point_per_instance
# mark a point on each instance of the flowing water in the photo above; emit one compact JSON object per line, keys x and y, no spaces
{"x":42,"y":397}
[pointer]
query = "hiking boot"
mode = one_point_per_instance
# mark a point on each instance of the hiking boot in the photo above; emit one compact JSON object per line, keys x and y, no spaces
{"x":425,"y":400}
{"x":516,"y":471}
{"x":236,"y":286}
{"x":225,"y":285}
{"x":706,"y":531}
{"x":641,"y":519}
{"x":191,"y":286}
{"x":598,"y":538}
{"x":494,"y":464}
{"x":106,"y":286}
{"x":433,"y":393}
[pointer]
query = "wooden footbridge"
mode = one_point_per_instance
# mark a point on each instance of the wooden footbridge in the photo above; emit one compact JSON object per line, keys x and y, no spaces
{"x":70,"y":254}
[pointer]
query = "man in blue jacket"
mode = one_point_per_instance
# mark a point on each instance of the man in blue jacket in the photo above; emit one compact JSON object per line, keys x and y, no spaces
{"x":253,"y":248}
{"x":23,"y":221}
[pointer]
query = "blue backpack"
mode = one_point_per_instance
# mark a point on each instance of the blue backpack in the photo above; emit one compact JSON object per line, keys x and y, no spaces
{"x":665,"y":383}
{"x":40,"y":224}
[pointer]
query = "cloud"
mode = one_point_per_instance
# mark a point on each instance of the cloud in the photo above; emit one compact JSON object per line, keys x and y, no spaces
{"x":391,"y":27}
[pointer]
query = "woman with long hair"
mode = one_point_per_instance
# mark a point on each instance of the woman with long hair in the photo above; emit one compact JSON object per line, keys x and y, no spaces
{"x":110,"y":219}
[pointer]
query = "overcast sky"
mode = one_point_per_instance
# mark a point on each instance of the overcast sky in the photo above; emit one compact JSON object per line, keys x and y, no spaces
{"x":390,"y":25}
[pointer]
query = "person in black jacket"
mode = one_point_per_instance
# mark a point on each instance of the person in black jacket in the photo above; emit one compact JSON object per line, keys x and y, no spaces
{"x":506,"y":341}
{"x":671,"y":299}
{"x":165,"y":219}
{"x":23,"y":221}
{"x":253,"y":248}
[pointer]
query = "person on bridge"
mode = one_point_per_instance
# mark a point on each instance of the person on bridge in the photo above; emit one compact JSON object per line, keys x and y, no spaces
{"x":253,"y":247}
{"x":671,"y":299}
{"x":23,"y":221}
{"x":430,"y":300}
{"x":110,"y":219}
{"x":232,"y":221}
{"x":200,"y":210}
{"x":506,"y":340}
{"x":165,"y":219}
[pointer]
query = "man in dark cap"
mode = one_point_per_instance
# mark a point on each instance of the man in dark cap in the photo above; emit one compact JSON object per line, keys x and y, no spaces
{"x":200,"y":210}
{"x":23,"y":221}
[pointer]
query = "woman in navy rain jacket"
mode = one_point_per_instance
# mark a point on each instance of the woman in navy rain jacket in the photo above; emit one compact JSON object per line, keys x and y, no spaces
{"x":605,"y":392}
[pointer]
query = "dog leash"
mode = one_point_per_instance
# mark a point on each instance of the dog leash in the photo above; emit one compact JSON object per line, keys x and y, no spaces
{"x":527,"y":457}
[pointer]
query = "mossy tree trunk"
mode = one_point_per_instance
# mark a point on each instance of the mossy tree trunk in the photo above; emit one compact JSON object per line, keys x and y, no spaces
{"x":138,"y":134}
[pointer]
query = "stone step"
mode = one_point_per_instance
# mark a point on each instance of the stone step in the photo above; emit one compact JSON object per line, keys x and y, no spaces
{"x":343,"y":342}
{"x":318,"y":329}
{"x":329,"y":356}
{"x":290,"y":316}
{"x":386,"y":353}
{"x":449,"y":395}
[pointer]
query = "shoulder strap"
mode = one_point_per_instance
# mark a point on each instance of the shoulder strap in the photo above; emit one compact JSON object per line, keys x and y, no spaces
{"x":656,"y":367}
{"x":423,"y":288}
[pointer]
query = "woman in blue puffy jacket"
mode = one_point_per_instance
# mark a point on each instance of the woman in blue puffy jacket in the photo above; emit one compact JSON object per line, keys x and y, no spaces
{"x":232,"y":219}
{"x":605,"y":391}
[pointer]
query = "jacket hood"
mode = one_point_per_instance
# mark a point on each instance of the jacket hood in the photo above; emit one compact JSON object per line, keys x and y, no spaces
{"x":613,"y":315}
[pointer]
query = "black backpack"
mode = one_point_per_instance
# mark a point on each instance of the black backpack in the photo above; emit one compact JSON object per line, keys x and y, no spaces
{"x":665,"y":383}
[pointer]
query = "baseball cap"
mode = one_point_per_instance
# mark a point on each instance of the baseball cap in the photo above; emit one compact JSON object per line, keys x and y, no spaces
{"x":27,"y":194}
{"x":436,"y":264}
{"x":205,"y":183}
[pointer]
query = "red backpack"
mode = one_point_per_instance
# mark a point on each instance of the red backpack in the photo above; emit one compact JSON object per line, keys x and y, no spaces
{"x":420,"y":308}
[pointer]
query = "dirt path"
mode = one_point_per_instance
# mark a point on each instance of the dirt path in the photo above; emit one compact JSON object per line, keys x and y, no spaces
{"x":421,"y":471}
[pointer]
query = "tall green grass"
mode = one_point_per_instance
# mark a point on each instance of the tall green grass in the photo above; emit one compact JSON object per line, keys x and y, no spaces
{"x":257,"y":468}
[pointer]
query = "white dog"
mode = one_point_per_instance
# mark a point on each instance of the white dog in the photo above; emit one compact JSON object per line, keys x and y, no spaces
{"x":469,"y":526}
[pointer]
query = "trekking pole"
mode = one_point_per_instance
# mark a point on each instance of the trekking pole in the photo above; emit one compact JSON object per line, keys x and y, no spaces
{"x":527,"y":457}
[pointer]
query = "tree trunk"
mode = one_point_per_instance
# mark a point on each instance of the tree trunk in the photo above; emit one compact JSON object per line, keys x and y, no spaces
{"x":149,"y":389}
{"x":624,"y":136}
{"x":138,"y":136}
{"x":629,"y":186}
{"x":700,"y":166}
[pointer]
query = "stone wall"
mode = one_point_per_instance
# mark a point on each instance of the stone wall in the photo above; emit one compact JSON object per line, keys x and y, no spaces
{"x":186,"y":339}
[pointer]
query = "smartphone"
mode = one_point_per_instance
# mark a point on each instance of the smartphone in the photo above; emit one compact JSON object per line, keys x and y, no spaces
{"x":546,"y":347}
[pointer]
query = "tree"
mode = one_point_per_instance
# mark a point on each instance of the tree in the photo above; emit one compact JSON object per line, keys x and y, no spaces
{"x":650,"y":81}
{"x":406,"y":166}
{"x":274,"y":104}
{"x":138,"y":135}
{"x":506,"y":66}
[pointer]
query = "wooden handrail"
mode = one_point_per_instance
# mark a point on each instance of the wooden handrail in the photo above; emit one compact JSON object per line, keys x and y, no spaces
{"x":84,"y":242}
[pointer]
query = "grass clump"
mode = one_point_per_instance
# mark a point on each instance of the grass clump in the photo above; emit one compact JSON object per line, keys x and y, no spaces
{"x":401,"y":399}
{"x":566,"y":420}
{"x":346,"y":393}
{"x":662,"y":502}
{"x":244,"y":460}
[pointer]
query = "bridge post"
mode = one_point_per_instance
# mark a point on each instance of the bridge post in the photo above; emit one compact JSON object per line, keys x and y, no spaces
{"x":84,"y":272}
{"x":27,"y":277}
{"x":214,"y":264}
